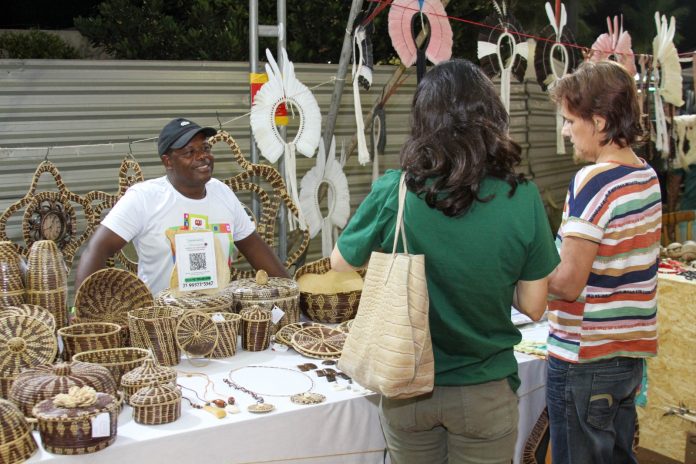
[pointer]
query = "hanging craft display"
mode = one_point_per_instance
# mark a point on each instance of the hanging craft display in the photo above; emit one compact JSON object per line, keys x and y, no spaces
{"x":685,"y":131}
{"x":360,"y":69}
{"x":614,"y":45}
{"x":553,"y":60}
{"x":328,"y":171}
{"x":667,"y":78}
{"x":284,"y":88}
{"x":363,"y":55}
{"x":378,"y":138}
{"x":403,"y":25}
{"x":502,"y":50}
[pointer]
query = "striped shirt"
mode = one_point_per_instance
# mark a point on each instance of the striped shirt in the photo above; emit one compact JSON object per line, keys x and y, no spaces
{"x":619,"y":207}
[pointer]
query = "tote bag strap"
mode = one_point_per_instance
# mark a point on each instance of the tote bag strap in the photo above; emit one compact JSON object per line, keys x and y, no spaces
{"x":400,"y":216}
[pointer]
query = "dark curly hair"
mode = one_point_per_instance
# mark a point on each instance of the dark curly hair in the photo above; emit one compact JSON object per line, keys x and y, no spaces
{"x":458,"y":137}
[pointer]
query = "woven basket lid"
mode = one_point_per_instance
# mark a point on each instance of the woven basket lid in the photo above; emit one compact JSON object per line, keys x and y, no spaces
{"x":196,"y":334}
{"x":149,"y":372}
{"x":255,"y":313}
{"x":264,"y":288}
{"x":25,"y":342}
{"x":42,"y":382}
{"x":16,"y":440}
{"x":46,"y":410}
{"x":155,"y":394}
{"x":36,"y":311}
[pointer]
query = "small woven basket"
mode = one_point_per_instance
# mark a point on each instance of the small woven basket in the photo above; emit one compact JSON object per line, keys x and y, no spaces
{"x":11,"y":282}
{"x":228,"y":328}
{"x":37,"y":312}
{"x":117,"y":360}
{"x":43,"y":382}
{"x":156,"y":404}
{"x":154,"y":328}
{"x":89,"y":336}
{"x":145,"y":375}
{"x":327,"y":307}
{"x":69,"y":430}
{"x":256,"y":328}
{"x":47,"y":280}
{"x":17,"y":443}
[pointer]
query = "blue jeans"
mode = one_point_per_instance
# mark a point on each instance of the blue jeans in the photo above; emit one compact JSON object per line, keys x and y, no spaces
{"x":592,"y":414}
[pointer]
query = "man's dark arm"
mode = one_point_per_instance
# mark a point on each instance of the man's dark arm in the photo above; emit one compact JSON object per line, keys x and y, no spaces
{"x":103,"y":244}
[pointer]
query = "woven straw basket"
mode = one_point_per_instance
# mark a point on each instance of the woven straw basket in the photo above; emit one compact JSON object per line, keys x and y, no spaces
{"x":16,"y":441}
{"x":222,"y":302}
{"x":146,"y":374}
{"x":88,"y":336}
{"x":117,"y":360}
{"x":228,"y":328}
{"x":43,"y":382}
{"x":327,"y":307}
{"x":154,"y":328}
{"x":11,"y":283}
{"x":156,"y":404}
{"x":47,"y":280}
{"x":69,"y":430}
{"x":37,"y":312}
{"x":256,"y":328}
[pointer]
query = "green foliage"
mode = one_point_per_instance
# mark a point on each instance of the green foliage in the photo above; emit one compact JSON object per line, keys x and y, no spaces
{"x":35,"y":44}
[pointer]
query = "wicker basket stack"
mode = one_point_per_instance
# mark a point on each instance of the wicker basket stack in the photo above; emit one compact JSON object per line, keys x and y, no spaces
{"x":256,"y":328}
{"x":11,"y":282}
{"x":148,"y":373}
{"x":43,"y":382}
{"x":16,"y":441}
{"x":88,"y":336}
{"x":117,"y":360}
{"x":37,"y":312}
{"x":156,"y":404}
{"x":47,"y":280}
{"x":228,"y":328}
{"x":153,"y":328}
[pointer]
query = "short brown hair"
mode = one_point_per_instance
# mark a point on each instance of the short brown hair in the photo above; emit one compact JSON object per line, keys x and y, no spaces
{"x":603,"y":89}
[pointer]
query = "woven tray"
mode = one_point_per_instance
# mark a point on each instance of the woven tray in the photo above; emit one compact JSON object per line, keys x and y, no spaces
{"x":154,"y":328}
{"x":47,"y":280}
{"x":197,"y":334}
{"x":11,"y":282}
{"x":319,"y":342}
{"x":145,"y":375}
{"x":42,"y":314}
{"x":284,"y":335}
{"x":117,"y":360}
{"x":88,"y":336}
{"x":327,"y":307}
{"x":16,"y":441}
{"x":228,"y":328}
{"x":156,"y":404}
{"x":24,"y":342}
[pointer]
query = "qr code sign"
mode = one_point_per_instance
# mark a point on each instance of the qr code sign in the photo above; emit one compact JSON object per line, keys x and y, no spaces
{"x":197,"y":261}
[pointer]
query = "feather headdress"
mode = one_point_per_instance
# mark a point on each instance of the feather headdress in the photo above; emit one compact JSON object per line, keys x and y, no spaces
{"x":614,"y":45}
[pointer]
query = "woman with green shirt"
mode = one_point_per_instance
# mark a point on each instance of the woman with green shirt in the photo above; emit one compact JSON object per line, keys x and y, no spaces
{"x":487,"y":245}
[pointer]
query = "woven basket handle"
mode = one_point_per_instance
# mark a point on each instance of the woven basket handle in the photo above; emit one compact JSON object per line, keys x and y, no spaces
{"x":400,"y":215}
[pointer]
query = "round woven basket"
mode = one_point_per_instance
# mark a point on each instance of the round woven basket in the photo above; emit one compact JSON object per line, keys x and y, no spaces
{"x":47,"y":280}
{"x":228,"y":328}
{"x":154,"y":328}
{"x":42,"y":382}
{"x":327,"y":307}
{"x":42,"y":314}
{"x":117,"y":360}
{"x":88,"y":336}
{"x":145,"y":375}
{"x":222,"y":302}
{"x":11,"y":282}
{"x":156,"y":404}
{"x":16,"y":441}
{"x":256,"y":328}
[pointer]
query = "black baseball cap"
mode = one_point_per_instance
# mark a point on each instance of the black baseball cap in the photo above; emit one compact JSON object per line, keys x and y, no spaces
{"x":178,"y":132}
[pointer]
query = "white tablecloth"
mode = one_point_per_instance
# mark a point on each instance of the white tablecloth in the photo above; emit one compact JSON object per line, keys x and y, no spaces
{"x":343,"y":429}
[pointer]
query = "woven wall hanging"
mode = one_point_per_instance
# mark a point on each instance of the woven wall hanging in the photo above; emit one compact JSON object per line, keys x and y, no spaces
{"x":504,"y":33}
{"x":284,"y":87}
{"x":614,"y":45}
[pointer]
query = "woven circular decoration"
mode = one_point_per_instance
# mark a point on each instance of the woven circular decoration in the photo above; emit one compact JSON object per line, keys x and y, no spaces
{"x":319,"y":342}
{"x":37,"y":312}
{"x":284,"y":335}
{"x":196,"y":334}
{"x":25,"y":342}
{"x":108,"y":295}
{"x":16,"y":441}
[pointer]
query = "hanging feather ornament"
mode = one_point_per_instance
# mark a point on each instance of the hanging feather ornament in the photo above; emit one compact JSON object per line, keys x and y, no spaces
{"x":685,"y":131}
{"x":403,"y":24}
{"x":283,"y":87}
{"x":614,"y":45}
{"x":360,"y":69}
{"x":667,"y":78}
{"x":504,"y":32}
{"x":328,"y":170}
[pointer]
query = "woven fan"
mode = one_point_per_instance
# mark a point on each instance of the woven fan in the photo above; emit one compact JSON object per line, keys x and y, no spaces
{"x":685,"y":130}
{"x":614,"y":45}
{"x":283,"y":87}
{"x":549,"y":68}
{"x":504,"y":28}
{"x":667,"y":78}
{"x":327,"y":171}
{"x":25,"y":342}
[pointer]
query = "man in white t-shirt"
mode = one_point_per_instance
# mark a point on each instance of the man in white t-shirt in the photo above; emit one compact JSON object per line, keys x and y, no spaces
{"x":186,"y":198}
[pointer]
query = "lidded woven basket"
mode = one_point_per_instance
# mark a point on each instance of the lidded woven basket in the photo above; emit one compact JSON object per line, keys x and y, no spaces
{"x":268,"y":292}
{"x":42,"y":382}
{"x":72,"y":430}
{"x":156,"y":404}
{"x":221,"y":302}
{"x":47,"y":280}
{"x":16,"y":441}
{"x":153,"y":328}
{"x":117,"y":360}
{"x":327,"y":307}
{"x":87,"y":336}
{"x":37,"y":312}
{"x":228,"y":329}
{"x":256,"y":328}
{"x":148,"y":373}
{"x":11,"y":276}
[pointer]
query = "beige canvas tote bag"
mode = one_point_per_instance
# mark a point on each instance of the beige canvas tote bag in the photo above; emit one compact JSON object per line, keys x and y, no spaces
{"x":388,"y":349}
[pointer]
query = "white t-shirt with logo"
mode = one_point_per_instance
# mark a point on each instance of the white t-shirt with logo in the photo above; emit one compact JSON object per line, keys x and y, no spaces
{"x":148,"y":209}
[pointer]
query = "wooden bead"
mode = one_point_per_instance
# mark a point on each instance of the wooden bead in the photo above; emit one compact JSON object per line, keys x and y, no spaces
{"x":219,"y":403}
{"x":230,"y":400}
